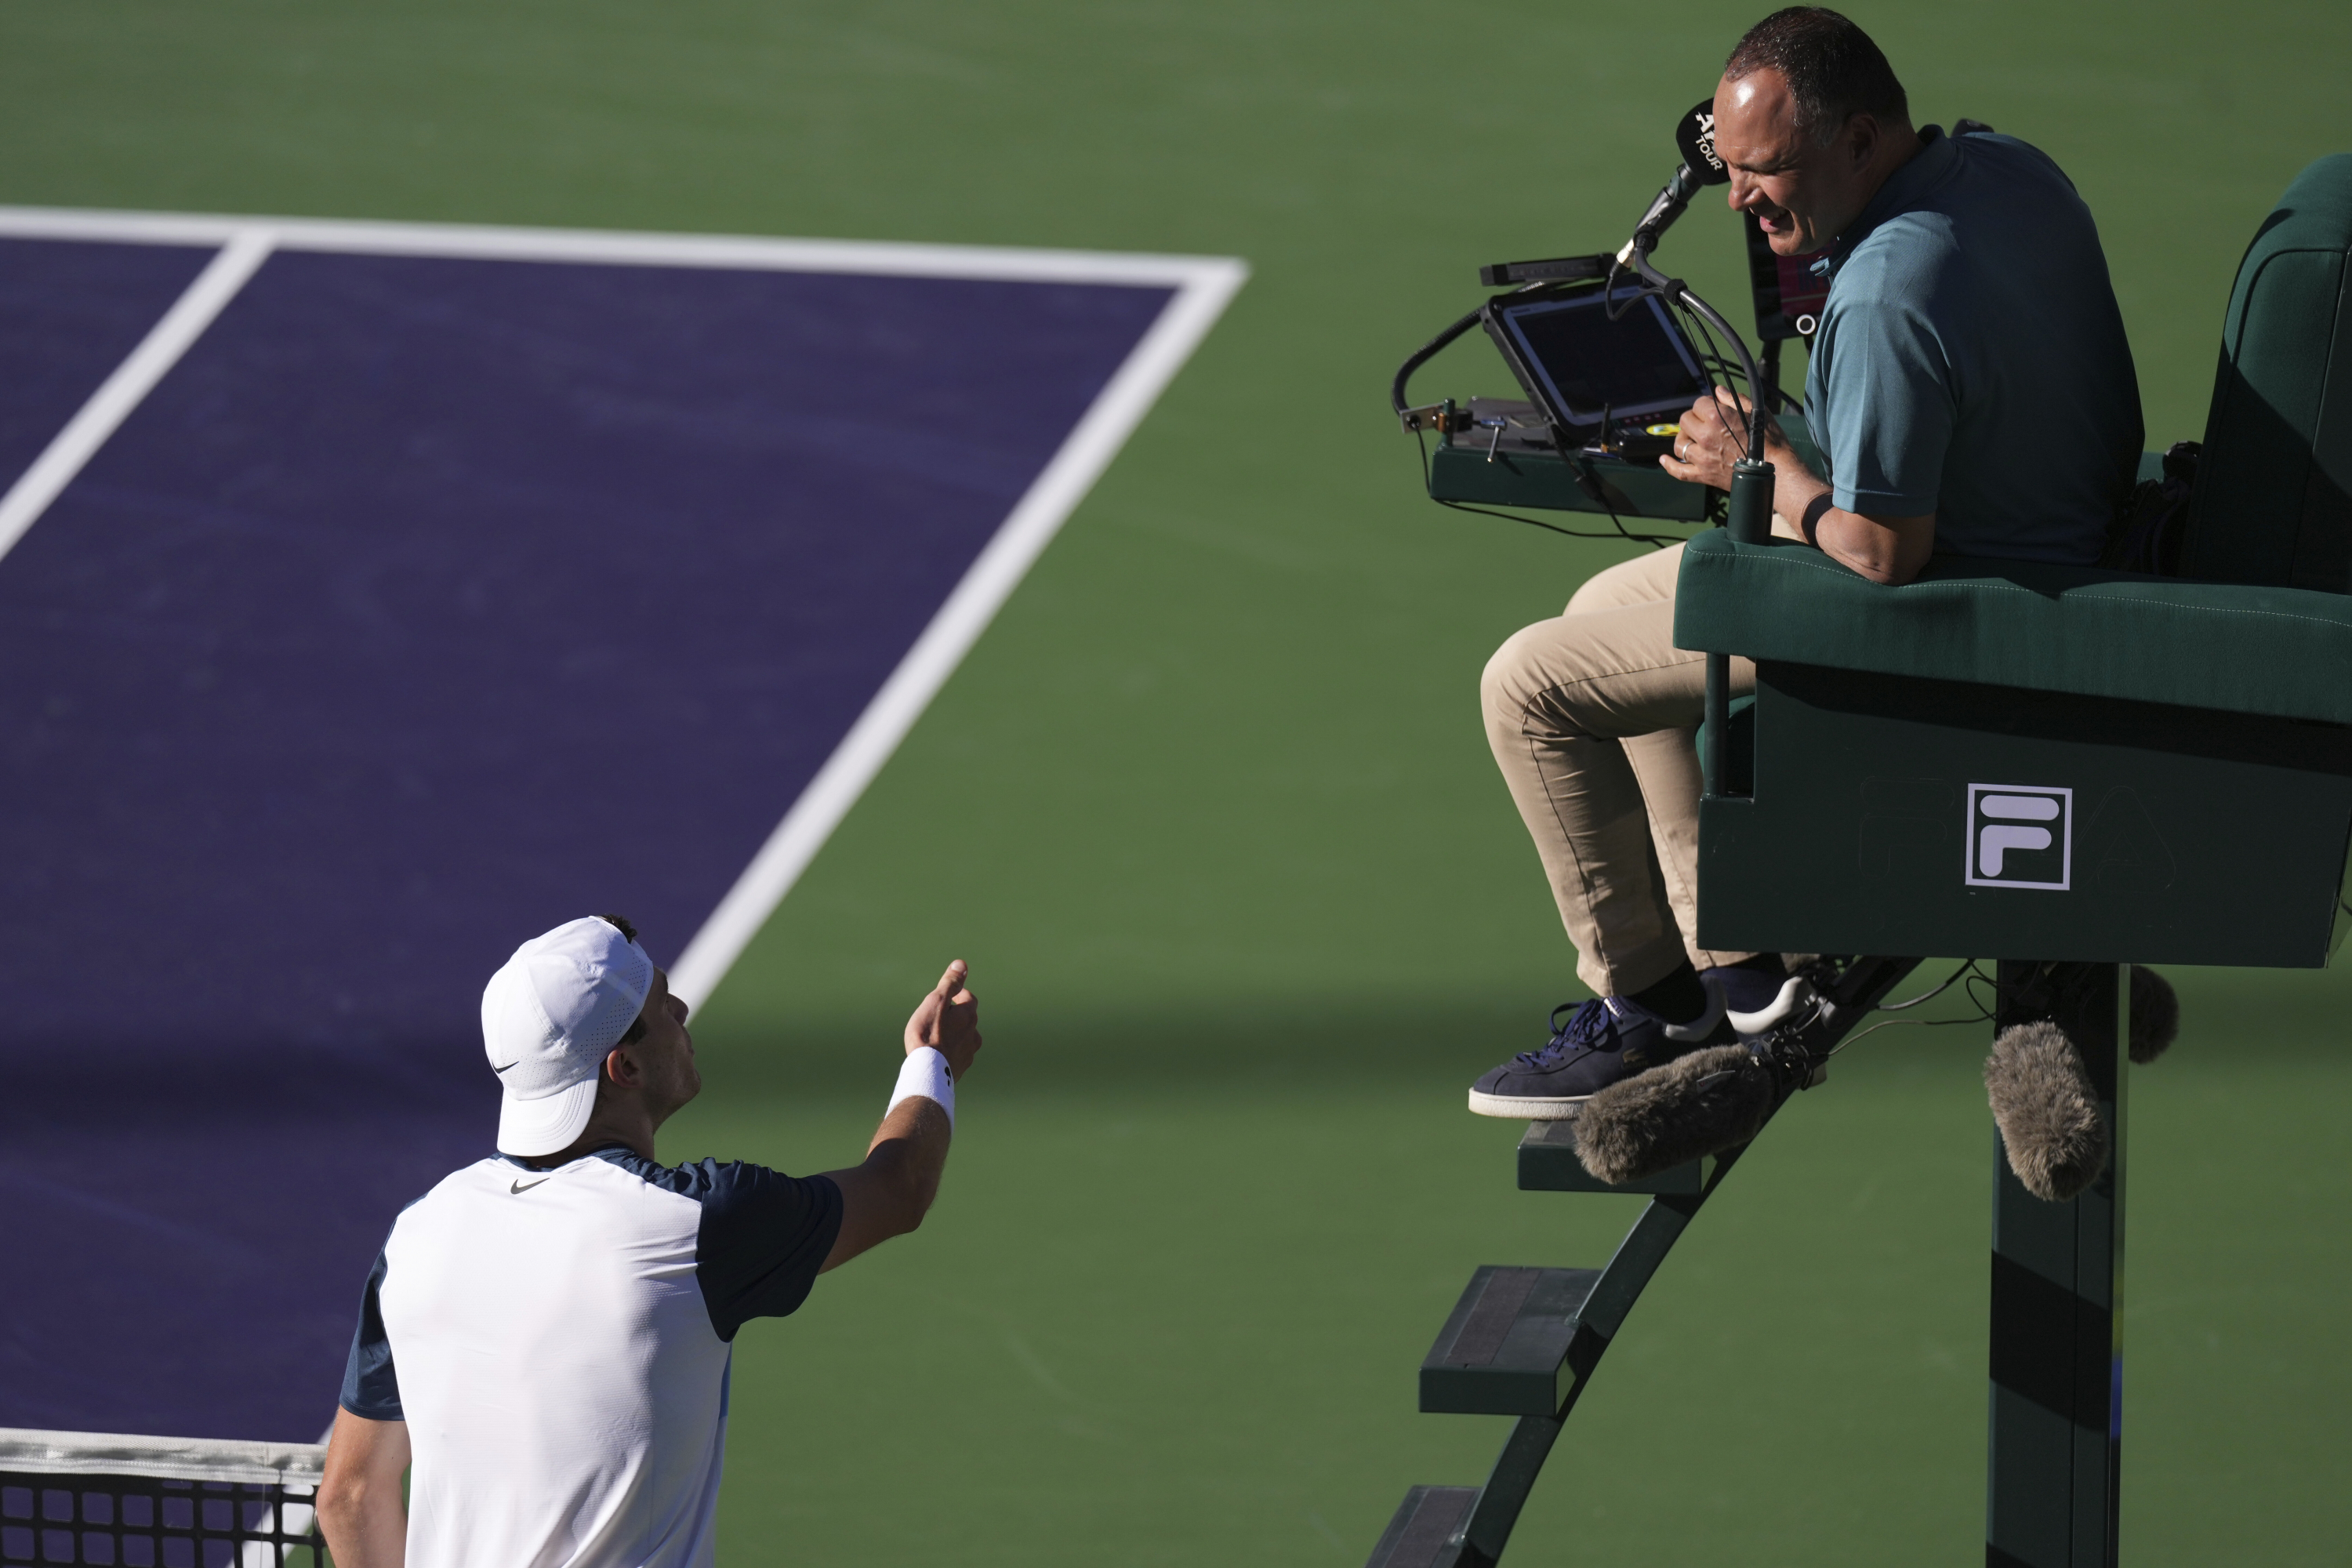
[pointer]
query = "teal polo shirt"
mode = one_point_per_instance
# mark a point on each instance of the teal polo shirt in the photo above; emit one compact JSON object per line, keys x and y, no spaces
{"x":1970,"y":360}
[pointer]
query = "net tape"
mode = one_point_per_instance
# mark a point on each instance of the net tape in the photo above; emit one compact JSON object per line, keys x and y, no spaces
{"x":156,"y":1502}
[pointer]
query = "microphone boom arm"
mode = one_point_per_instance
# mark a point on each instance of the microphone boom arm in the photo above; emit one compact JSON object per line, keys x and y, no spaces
{"x":1750,"y":511}
{"x":1637,"y":254}
{"x":1672,"y":200}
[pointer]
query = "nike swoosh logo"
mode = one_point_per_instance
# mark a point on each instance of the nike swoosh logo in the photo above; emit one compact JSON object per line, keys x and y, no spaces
{"x":518,"y":1186}
{"x":515,"y":1063}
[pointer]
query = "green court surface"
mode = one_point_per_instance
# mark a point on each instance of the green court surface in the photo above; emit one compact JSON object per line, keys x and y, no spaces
{"x":1210,"y":812}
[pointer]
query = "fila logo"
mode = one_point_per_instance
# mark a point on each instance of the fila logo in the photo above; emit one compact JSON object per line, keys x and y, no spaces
{"x":2020,"y":835}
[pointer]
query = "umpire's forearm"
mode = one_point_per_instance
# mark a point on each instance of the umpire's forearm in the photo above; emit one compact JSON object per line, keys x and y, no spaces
{"x":1885,"y":550}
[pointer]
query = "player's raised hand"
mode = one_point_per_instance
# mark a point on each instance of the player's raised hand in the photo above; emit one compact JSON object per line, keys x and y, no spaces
{"x":947,"y":1020}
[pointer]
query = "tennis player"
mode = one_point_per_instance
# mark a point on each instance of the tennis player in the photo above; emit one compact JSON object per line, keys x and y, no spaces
{"x":544,"y":1342}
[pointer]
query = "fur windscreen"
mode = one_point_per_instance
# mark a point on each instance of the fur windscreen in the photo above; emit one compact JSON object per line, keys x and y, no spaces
{"x":2048,"y":1110}
{"x":2155,"y":1014}
{"x":1695,"y":1105}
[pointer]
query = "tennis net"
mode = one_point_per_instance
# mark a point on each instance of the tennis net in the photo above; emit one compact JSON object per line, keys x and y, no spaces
{"x":157,"y":1502}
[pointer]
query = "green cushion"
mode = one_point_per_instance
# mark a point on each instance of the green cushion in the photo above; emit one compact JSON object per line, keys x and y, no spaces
{"x":2273,"y":498}
{"x":2284,"y":652}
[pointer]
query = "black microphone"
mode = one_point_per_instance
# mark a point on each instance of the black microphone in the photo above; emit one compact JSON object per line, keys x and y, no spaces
{"x":1695,"y":139}
{"x":1701,"y":167}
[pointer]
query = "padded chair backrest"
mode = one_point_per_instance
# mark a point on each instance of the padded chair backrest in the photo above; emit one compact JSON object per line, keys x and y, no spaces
{"x":2273,"y":498}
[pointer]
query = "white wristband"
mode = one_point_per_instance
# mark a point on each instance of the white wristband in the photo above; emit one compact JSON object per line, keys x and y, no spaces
{"x":925,"y":1075}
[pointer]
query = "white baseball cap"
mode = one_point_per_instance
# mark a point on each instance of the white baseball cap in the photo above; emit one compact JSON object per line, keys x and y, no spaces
{"x":550,"y":1015}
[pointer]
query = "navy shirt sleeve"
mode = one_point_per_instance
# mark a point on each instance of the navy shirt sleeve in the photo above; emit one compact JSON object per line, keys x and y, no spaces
{"x":764,"y":1236}
{"x":370,"y":1387}
{"x":761,"y":1239}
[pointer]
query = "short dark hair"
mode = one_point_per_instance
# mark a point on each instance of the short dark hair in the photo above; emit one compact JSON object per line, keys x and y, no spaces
{"x":1833,"y":70}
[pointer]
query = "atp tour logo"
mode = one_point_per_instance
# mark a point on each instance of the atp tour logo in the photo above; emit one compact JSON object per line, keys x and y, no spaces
{"x":1706,"y":124}
{"x":2020,"y":835}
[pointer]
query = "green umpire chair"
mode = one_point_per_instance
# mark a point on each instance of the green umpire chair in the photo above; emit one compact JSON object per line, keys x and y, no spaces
{"x":2069,"y":768}
{"x":2191,"y":731}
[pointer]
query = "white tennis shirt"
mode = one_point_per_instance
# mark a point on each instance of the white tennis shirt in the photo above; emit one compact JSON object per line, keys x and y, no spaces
{"x":557,"y":1344}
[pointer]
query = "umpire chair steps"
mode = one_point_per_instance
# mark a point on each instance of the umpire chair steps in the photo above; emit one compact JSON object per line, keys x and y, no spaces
{"x":1525,"y":1342}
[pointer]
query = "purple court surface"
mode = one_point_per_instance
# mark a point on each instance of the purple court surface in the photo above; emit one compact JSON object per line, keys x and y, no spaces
{"x":374,"y":597}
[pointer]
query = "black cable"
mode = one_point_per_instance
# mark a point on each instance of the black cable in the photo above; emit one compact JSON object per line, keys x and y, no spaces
{"x":1714,"y":356}
{"x":1609,"y":292}
{"x":1968,"y":971}
{"x":1648,"y":291}
{"x":1654,"y":541}
{"x":1427,"y":351}
{"x":1694,"y":329}
{"x":1711,"y":356}
{"x":1950,"y":981}
{"x":1979,"y":1001}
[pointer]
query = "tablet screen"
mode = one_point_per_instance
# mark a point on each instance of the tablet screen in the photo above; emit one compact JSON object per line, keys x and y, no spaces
{"x":1640,"y":363}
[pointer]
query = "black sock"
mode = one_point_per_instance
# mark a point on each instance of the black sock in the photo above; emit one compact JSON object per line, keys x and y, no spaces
{"x":1765,"y":964}
{"x":1679,"y":998}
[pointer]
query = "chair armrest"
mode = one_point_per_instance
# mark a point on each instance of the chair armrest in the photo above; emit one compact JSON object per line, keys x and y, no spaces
{"x":2283,"y":652}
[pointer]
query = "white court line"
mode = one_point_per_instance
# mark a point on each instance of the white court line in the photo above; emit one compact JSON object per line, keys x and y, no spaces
{"x":985,"y":586}
{"x":1203,"y":287}
{"x":888,"y":258}
{"x":111,"y":404}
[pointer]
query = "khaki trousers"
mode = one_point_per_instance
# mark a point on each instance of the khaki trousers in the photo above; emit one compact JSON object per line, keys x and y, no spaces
{"x":1594,"y":722}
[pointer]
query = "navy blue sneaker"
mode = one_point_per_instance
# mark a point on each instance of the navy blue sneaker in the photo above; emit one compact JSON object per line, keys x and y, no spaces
{"x":1604,"y":1041}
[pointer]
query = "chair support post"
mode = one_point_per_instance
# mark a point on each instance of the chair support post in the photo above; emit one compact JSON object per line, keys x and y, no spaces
{"x":1714,"y":757}
{"x":1750,"y":522}
{"x":2056,"y":1419}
